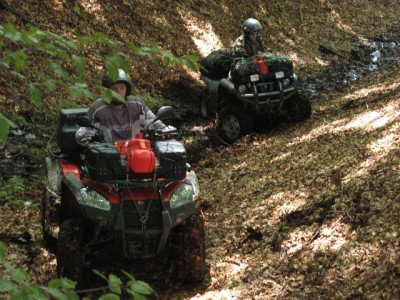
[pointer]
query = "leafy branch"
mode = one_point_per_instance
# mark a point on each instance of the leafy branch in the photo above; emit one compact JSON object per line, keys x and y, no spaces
{"x":63,"y":64}
{"x":15,"y":282}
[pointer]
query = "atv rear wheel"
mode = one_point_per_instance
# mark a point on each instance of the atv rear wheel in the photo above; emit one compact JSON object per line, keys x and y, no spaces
{"x":71,"y":240}
{"x":297,"y":108}
{"x":235,"y":122}
{"x":189,"y":238}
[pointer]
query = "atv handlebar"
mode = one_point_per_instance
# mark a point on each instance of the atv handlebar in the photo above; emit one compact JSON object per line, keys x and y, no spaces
{"x":163,"y":134}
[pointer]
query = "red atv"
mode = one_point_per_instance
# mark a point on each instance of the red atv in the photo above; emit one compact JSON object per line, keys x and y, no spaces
{"x":132,"y":199}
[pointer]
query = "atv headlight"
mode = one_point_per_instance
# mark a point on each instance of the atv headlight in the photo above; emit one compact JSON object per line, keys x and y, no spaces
{"x":286,"y":82}
{"x":94,"y":199}
{"x":183,"y":195}
{"x":242,"y":88}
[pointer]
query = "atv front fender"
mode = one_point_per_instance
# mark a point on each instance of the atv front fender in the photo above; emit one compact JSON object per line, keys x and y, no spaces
{"x":228,"y":86}
{"x":102,"y":215}
{"x":54,"y":175}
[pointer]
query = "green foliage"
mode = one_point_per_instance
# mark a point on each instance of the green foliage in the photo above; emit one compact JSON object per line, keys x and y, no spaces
{"x":57,"y":52}
{"x":15,"y":282}
{"x":12,"y":193}
{"x":152,"y":52}
{"x":5,"y":125}
{"x":151,"y":101}
{"x":136,"y":288}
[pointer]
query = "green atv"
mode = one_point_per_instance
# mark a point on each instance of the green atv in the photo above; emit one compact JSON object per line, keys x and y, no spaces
{"x":248,"y":92}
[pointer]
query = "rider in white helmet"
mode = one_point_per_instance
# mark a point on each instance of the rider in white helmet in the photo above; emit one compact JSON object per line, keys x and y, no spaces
{"x":118,"y":120}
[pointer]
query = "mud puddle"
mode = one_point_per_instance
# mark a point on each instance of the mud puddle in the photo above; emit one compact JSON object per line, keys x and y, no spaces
{"x":364,"y":58}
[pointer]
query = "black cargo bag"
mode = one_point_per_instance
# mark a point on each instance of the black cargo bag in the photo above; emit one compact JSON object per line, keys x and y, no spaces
{"x":66,"y":130}
{"x":217,"y":64}
{"x":243,"y":69}
{"x":278,"y":63}
{"x":104,"y":163}
{"x":171,"y":160}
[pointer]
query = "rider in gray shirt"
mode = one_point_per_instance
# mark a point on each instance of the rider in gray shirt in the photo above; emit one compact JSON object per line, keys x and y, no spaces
{"x":117,"y":120}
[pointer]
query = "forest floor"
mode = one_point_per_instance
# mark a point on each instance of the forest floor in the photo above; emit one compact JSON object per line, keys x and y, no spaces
{"x":299,"y":211}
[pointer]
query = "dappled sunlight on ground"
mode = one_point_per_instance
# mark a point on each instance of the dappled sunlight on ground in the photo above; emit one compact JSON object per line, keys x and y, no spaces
{"x":202,"y":34}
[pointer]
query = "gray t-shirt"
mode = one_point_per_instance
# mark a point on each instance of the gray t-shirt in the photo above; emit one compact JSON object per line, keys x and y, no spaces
{"x":120,"y":124}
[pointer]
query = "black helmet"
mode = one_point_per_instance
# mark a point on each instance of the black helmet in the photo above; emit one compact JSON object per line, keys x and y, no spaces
{"x":251,"y":25}
{"x":123,"y":77}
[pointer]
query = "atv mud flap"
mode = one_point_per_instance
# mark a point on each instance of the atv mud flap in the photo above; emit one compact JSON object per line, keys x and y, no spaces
{"x":172,"y":218}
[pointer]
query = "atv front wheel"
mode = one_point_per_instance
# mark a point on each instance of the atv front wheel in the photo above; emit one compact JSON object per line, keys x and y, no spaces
{"x":235,"y":122}
{"x":297,"y":108}
{"x":71,"y":239}
{"x":49,"y":214}
{"x":189,"y":239}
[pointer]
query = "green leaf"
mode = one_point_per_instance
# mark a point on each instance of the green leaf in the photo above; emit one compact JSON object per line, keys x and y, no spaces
{"x":115,"y":62}
{"x":109,"y":297}
{"x":84,"y":40}
{"x":79,"y":64}
{"x":71,"y":295}
{"x":4,"y":64}
{"x":5,"y":125}
{"x":11,"y":32}
{"x":19,"y":59}
{"x":56,"y":293}
{"x":141,"y":287}
{"x":3,"y":246}
{"x":74,"y":91}
{"x":62,"y":283}
{"x":5,"y":285}
{"x":129,"y":276}
{"x":19,"y":275}
{"x":58,"y":70}
{"x":35,"y":95}
{"x":101,"y":275}
{"x":29,"y":38}
{"x":88,"y":94}
{"x":19,"y":75}
{"x":115,"y":284}
{"x":107,"y":95}
{"x":77,"y":9}
{"x":17,"y":294}
{"x":285,"y":228}
{"x":112,"y":69}
{"x":50,"y":85}
{"x":136,"y":296}
{"x":36,"y":292}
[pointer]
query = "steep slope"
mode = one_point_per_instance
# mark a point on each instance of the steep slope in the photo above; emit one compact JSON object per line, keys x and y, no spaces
{"x":305,"y":211}
{"x":196,"y":27}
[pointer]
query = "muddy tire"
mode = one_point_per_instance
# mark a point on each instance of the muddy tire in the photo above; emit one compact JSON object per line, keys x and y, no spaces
{"x":189,"y":244}
{"x":71,"y":240}
{"x":49,"y":219}
{"x":234,"y":122}
{"x":297,"y":108}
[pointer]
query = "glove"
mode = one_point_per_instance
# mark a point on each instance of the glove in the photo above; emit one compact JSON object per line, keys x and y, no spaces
{"x":84,"y":136}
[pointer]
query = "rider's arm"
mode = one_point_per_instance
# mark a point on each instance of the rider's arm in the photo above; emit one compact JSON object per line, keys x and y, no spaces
{"x":147,"y":116}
